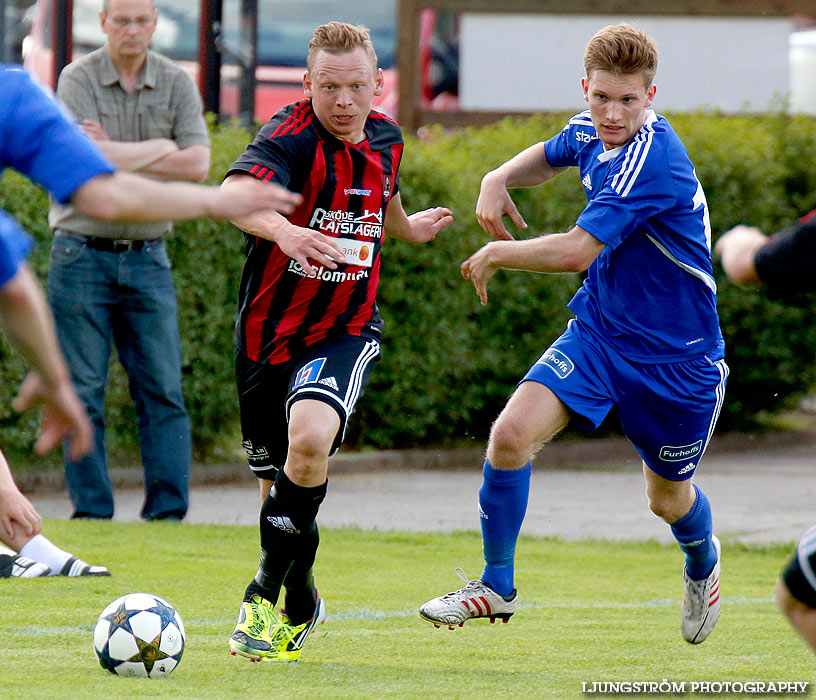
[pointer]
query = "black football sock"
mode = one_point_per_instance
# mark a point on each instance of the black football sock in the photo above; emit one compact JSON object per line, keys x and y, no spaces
{"x":288,"y":511}
{"x":301,"y":594}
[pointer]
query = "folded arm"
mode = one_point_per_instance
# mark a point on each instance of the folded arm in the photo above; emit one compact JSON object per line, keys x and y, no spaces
{"x":160,"y":157}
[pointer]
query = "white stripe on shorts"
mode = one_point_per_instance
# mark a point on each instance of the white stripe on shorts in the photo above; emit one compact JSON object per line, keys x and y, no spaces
{"x":720,"y":393}
{"x":804,"y":551}
{"x":370,"y":351}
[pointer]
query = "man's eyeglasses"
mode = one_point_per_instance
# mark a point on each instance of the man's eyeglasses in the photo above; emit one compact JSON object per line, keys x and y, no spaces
{"x":140,"y":22}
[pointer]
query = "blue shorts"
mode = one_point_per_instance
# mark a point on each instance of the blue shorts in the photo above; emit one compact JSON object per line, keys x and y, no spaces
{"x":668,"y":411}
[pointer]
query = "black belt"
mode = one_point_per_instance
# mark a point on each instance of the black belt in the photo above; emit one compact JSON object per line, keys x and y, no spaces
{"x":110,"y":245}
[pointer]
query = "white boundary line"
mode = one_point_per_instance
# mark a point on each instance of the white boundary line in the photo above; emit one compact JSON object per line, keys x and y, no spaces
{"x":367,"y":614}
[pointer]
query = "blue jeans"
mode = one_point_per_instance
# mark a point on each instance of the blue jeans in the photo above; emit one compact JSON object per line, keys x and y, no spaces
{"x":126,"y":297}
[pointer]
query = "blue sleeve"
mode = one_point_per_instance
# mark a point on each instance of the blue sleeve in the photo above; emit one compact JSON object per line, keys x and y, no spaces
{"x":636,"y":189}
{"x":559,"y":150}
{"x":15,"y":244}
{"x":565,"y":148}
{"x":41,"y":142}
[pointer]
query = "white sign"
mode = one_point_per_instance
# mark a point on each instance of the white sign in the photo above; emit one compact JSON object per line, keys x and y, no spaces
{"x":534,"y":62}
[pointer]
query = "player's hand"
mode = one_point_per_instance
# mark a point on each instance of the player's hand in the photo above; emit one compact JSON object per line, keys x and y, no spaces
{"x":738,"y":237}
{"x":17,"y":516}
{"x":426,"y":224}
{"x":480,"y":268}
{"x":736,"y":249}
{"x":305,"y":244}
{"x":252,"y":196}
{"x":93,"y":130}
{"x":63,"y":415}
{"x":493,"y":203}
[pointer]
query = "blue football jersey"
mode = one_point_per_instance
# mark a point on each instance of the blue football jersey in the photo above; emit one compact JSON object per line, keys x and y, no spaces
{"x":15,"y":245}
{"x":41,"y":141}
{"x":651,"y":291}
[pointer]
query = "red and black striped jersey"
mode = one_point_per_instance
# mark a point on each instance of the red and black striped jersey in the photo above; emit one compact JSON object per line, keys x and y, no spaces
{"x":346,"y":188}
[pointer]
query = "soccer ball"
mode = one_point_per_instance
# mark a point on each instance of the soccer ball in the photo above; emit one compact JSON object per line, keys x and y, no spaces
{"x":139,"y":635}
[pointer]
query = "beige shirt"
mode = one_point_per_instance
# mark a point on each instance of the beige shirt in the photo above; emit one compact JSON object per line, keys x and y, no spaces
{"x":165,"y":104}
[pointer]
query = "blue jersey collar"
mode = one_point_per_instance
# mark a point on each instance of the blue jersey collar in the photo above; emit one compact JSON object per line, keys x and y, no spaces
{"x":604,"y":155}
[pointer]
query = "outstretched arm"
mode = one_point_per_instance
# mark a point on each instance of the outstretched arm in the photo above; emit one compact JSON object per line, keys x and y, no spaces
{"x":27,"y":322}
{"x":419,"y":227}
{"x":127,"y":197}
{"x":300,"y":244}
{"x":528,"y":168}
{"x":557,"y":252}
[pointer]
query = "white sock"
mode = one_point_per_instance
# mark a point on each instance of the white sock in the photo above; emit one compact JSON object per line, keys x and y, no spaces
{"x":6,"y":550}
{"x":40,"y":548}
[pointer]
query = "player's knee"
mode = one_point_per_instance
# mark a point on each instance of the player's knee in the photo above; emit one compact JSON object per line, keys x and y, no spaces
{"x":313,"y":426}
{"x":310,"y":442}
{"x":665,"y":506}
{"x":508,"y":444}
{"x":307,"y":458}
{"x":670,"y":500}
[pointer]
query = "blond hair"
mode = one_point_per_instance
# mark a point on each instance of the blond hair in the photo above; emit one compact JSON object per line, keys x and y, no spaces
{"x":339,"y":37}
{"x":622,"y":49}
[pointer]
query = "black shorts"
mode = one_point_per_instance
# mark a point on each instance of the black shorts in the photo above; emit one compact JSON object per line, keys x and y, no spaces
{"x":800,"y":574}
{"x":334,"y":371}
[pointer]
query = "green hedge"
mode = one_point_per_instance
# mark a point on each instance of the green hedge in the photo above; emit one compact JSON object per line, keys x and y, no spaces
{"x":449,"y":363}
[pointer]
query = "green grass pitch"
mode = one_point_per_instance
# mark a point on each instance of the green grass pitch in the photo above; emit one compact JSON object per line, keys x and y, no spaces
{"x":589,"y":611}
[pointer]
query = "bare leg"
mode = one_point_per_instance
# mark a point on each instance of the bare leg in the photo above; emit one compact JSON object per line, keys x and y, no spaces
{"x":265,"y":485}
{"x":801,"y":616}
{"x":670,"y":500}
{"x":313,"y":425}
{"x":532,"y":416}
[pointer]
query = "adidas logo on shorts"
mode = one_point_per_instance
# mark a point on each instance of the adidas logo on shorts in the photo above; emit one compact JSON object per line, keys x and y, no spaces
{"x":330,"y":382}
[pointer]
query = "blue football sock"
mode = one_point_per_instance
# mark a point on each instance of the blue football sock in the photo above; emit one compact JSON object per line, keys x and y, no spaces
{"x":693,"y":533}
{"x":502,"y":505}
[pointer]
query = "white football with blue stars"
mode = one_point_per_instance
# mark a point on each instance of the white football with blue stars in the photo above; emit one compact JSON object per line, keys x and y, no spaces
{"x":139,"y":635}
